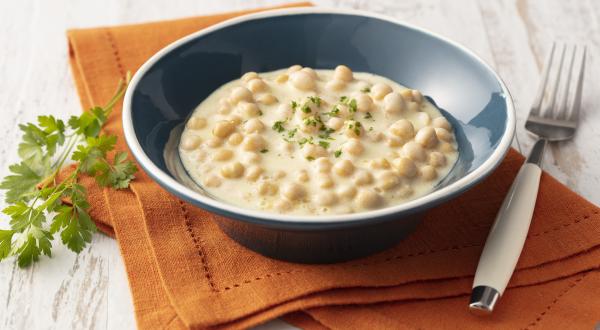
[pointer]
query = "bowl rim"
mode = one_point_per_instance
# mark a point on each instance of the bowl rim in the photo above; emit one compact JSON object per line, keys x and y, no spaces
{"x":314,"y":221}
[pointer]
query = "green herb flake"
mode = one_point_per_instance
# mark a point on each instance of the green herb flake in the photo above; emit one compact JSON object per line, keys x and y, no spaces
{"x":306,"y":109}
{"x":264,"y":151}
{"x":278,"y":126}
{"x":366,"y":90}
{"x":324,"y":144}
{"x":352,"y":105}
{"x":343,"y":99}
{"x":315,"y":100}
{"x":337,"y":153}
{"x":368,"y":115}
{"x":310,"y":158}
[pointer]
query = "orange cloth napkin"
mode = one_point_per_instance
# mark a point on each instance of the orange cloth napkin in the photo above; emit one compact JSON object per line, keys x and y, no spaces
{"x":185,"y":273}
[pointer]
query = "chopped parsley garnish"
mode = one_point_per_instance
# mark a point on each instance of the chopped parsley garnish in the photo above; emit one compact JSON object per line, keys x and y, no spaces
{"x":278,"y":126}
{"x":355,"y":126}
{"x":310,"y":121}
{"x":305,"y":108}
{"x":292,"y":132}
{"x":315,"y":100}
{"x":334,"y":112}
{"x":310,"y":158}
{"x":368,"y":115}
{"x":260,"y":113}
{"x":352,"y":105}
{"x":294,"y":105}
{"x":326,"y":134}
{"x":304,"y":141}
{"x":264,"y":151}
{"x":343,"y":99}
{"x":337,"y":153}
{"x":324,"y":144}
{"x":366,"y":90}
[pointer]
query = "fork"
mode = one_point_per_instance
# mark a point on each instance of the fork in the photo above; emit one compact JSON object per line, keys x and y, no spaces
{"x":553,"y":117}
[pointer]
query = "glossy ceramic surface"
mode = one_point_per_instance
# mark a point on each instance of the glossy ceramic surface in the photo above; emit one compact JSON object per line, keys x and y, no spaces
{"x":171,"y":84}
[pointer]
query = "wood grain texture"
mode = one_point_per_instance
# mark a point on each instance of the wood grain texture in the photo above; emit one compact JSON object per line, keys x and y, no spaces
{"x":89,"y":290}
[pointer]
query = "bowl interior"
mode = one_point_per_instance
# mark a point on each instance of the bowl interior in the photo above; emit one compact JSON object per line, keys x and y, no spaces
{"x":466,"y":90}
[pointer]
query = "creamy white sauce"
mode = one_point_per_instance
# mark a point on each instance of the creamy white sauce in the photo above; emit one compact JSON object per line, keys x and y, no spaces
{"x":287,"y":170}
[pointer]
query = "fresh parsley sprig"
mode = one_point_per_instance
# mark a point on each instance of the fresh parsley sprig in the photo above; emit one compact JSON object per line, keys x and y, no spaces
{"x":42,"y":204}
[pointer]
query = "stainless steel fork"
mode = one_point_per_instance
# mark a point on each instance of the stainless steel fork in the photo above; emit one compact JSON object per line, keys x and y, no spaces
{"x":553,"y":117}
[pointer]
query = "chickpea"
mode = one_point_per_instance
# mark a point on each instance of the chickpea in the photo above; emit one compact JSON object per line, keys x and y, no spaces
{"x":428,"y":172}
{"x":284,"y":110}
{"x":422,"y":119}
{"x":302,"y":176}
{"x":254,"y":172}
{"x":267,"y":99}
{"x":380,"y":90}
{"x":363,"y":177}
{"x":267,"y":188}
{"x":240,"y":94}
{"x":250,"y":158}
{"x":248,"y":76}
{"x":323,"y":164}
{"x":353,"y":129}
{"x":214,"y":142}
{"x":391,"y":154}
{"x":406,"y":95}
{"x":412,"y":106}
{"x":234,"y":119}
{"x":367,"y":199}
{"x":254,"y":125}
{"x":343,"y":168}
{"x":190,"y":142}
{"x":437,"y":159}
{"x":222,"y":155}
{"x":343,"y":73}
{"x":293,"y":191}
{"x":282,"y":78}
{"x":426,"y":137}
{"x":302,"y":81}
{"x":354,"y":147}
{"x":387,"y":180}
{"x":375,"y":136}
{"x":363,"y":102}
{"x":403,"y":128}
{"x":279,"y":175}
{"x":379,"y":163}
{"x":313,"y":151}
{"x":294,"y":68}
{"x":312,"y":73}
{"x":253,"y":142}
{"x":441,"y":122}
{"x":446,"y":147}
{"x":347,"y":191}
{"x":393,"y":103}
{"x":443,"y":134}
{"x":326,"y":198}
{"x":235,"y":139}
{"x":201,"y":156}
{"x":335,"y":85}
{"x":335,"y":123}
{"x":394,"y":141}
{"x":224,"y":109}
{"x":196,"y":123}
{"x":413,"y":151}
{"x":405,"y":167}
{"x":257,"y":85}
{"x":223,"y":128}
{"x":417,"y":96}
{"x":325,"y":181}
{"x":211,"y":181}
{"x":282,"y":205}
{"x":233,"y":170}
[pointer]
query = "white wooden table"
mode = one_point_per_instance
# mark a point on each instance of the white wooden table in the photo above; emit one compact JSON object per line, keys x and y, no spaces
{"x":90,"y":290}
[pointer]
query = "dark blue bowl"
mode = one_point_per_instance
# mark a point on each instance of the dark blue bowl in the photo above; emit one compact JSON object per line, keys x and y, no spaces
{"x":168,"y":87}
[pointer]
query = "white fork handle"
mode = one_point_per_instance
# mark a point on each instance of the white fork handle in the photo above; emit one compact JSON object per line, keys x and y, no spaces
{"x":506,"y":239}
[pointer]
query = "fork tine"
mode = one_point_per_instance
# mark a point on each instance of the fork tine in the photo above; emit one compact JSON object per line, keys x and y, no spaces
{"x":537,"y":103}
{"x":576,"y":105}
{"x":563,"y":111}
{"x":549,"y":111}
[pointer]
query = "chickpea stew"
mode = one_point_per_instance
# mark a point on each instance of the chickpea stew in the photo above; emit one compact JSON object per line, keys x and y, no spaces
{"x":304,"y":141}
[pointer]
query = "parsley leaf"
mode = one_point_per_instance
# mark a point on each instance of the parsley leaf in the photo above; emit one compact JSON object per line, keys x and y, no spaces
{"x":40,"y":204}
